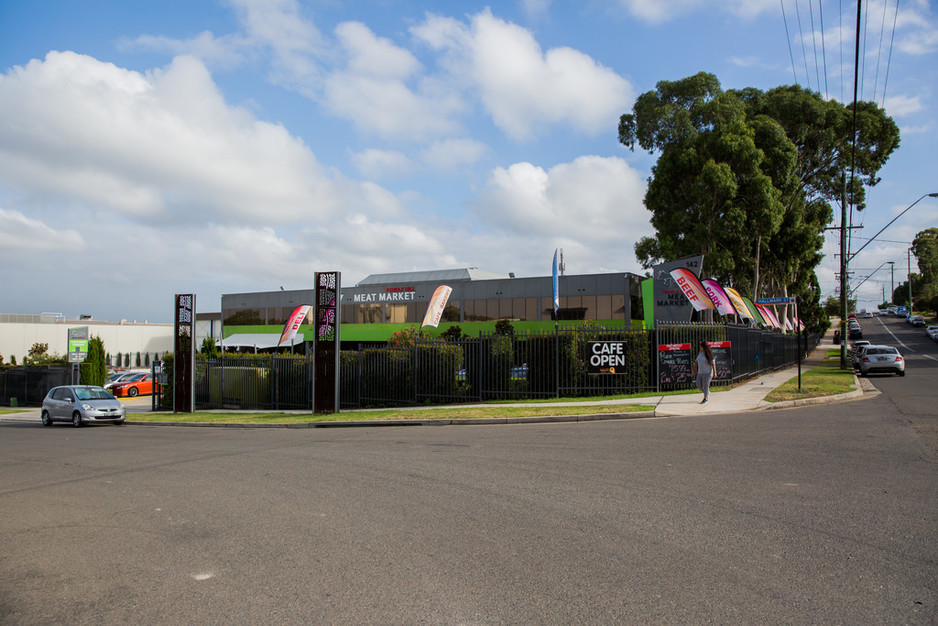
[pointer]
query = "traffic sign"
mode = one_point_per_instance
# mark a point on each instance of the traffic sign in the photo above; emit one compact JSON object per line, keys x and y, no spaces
{"x":775,"y":301}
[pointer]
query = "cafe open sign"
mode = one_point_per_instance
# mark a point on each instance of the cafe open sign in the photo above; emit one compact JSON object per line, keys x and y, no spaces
{"x":606,"y":357}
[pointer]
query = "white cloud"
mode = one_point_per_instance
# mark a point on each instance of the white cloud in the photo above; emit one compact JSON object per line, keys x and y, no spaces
{"x":374,"y":163}
{"x":658,"y":11}
{"x":161,"y":144}
{"x":521,"y":86}
{"x":374,"y":56}
{"x":902,"y":105}
{"x":227,"y":51}
{"x":453,"y":153}
{"x":19,"y":234}
{"x":597,"y":199}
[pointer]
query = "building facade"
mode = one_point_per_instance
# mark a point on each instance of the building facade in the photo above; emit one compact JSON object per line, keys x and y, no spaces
{"x":477,"y":297}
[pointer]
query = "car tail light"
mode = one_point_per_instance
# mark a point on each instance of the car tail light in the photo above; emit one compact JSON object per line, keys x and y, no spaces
{"x":898,"y":358}
{"x":866,"y":359}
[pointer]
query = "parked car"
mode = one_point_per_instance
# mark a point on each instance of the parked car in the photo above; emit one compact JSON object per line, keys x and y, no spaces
{"x":885,"y":359}
{"x":132,"y":388}
{"x":81,"y":404}
{"x":916,"y":320}
{"x":858,"y":348}
{"x":855,"y":332}
{"x":122,"y":377}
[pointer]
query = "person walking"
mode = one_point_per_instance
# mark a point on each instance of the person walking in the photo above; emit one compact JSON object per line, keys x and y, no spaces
{"x":703,"y":370}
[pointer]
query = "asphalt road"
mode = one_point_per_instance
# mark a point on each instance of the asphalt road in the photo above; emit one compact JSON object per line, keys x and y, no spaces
{"x":816,"y":515}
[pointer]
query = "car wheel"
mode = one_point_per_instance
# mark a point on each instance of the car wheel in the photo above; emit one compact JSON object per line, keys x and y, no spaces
{"x":902,"y":373}
{"x":120,"y":423}
{"x":132,"y":392}
{"x":46,"y":419}
{"x":76,"y":419}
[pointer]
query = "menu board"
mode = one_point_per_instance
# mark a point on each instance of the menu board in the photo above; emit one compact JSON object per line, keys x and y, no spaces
{"x":676,"y":360}
{"x":675,"y":364}
{"x":723,"y":359}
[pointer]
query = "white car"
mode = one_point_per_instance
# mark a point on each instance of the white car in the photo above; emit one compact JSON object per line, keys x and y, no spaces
{"x":881,"y":359}
{"x":932,"y":331}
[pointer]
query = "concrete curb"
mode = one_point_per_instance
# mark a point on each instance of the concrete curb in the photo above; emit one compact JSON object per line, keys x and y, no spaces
{"x":850,"y":396}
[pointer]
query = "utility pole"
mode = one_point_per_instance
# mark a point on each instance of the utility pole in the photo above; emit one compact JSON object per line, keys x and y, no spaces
{"x":910,"y":281}
{"x":843,"y":273}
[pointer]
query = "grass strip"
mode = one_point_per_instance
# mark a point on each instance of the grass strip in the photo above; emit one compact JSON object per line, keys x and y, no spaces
{"x":500,"y":412}
{"x":827,"y":379}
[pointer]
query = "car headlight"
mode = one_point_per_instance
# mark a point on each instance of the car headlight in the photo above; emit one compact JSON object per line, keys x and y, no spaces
{"x":86,"y":407}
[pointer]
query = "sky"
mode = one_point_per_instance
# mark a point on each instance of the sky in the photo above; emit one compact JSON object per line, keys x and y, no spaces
{"x":151,"y":148}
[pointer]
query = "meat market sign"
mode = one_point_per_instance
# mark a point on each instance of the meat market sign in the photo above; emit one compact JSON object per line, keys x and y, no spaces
{"x":391,"y":294}
{"x":606,"y":357}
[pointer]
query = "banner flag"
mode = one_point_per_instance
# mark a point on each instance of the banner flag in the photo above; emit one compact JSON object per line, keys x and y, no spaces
{"x":755,"y":314}
{"x":436,"y":306}
{"x":767,"y":316}
{"x":718,"y":296}
{"x":556,"y":285}
{"x":738,"y":304}
{"x":692,"y":288}
{"x":293,"y":324}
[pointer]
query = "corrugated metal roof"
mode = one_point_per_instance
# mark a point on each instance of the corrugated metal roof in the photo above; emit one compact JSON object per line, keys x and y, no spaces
{"x":470,"y":273}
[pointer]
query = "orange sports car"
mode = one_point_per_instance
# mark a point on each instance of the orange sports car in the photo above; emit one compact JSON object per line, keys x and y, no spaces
{"x":142,"y":384}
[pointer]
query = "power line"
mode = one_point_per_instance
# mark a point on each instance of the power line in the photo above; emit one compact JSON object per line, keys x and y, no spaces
{"x":804,"y":54}
{"x":820,"y":10}
{"x":817,"y":70}
{"x":892,"y":39}
{"x":788,"y":40}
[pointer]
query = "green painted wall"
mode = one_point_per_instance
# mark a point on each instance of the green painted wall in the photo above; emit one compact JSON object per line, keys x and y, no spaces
{"x":381,"y":332}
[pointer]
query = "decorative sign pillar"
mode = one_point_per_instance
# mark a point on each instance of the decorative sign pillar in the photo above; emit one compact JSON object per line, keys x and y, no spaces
{"x":184,"y":349}
{"x":326,"y":346}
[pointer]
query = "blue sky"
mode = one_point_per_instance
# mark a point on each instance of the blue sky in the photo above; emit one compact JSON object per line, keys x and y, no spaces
{"x":152,"y":148}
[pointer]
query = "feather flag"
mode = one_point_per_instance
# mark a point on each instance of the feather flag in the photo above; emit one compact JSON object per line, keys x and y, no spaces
{"x":555,"y":281}
{"x":738,"y":304}
{"x":767,"y":316}
{"x":692,"y":288}
{"x":718,"y":296}
{"x":436,"y":306}
{"x":293,"y":324}
{"x":755,"y":314}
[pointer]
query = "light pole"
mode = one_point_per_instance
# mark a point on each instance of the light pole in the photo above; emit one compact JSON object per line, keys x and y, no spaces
{"x":927,"y":195}
{"x":892,"y":281}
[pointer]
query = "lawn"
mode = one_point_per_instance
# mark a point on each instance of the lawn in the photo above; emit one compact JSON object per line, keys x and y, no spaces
{"x":827,"y":379}
{"x":389,"y":415}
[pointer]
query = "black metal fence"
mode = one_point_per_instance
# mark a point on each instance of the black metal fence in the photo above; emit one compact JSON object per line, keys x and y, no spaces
{"x":27,"y":386}
{"x":570,"y":363}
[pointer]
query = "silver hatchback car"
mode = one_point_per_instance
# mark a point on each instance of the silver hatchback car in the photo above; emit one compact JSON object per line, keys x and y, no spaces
{"x":81,"y":404}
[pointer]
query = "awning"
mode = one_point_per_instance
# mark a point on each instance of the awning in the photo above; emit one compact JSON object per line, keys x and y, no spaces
{"x":257,"y":340}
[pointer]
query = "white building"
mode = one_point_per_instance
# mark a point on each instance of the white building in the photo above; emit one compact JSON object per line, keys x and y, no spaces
{"x":18,"y":333}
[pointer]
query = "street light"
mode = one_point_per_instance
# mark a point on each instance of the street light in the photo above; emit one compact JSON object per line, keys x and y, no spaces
{"x":927,"y":195}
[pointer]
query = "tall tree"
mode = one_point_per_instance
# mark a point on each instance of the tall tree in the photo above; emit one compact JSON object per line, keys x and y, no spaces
{"x":707,"y":188}
{"x":747,"y":177}
{"x":925,"y":249}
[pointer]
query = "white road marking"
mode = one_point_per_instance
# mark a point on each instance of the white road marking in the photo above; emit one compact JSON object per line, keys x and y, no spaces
{"x":203,"y":575}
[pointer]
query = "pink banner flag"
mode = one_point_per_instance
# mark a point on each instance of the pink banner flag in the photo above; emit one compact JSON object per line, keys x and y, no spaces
{"x":293,"y":324}
{"x":436,"y":306}
{"x":692,"y":288}
{"x":718,"y":296}
{"x":768,"y":316}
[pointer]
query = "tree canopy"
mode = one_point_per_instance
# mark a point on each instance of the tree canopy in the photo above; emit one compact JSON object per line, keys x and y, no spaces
{"x":747,"y":177}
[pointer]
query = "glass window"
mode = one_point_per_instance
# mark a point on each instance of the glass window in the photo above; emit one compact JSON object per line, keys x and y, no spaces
{"x":369,"y":314}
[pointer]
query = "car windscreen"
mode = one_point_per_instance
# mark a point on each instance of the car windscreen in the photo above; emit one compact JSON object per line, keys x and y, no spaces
{"x":93,"y":393}
{"x":870,"y":351}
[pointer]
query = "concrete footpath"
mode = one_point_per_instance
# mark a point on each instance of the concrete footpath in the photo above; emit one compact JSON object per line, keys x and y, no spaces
{"x":747,"y":396}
